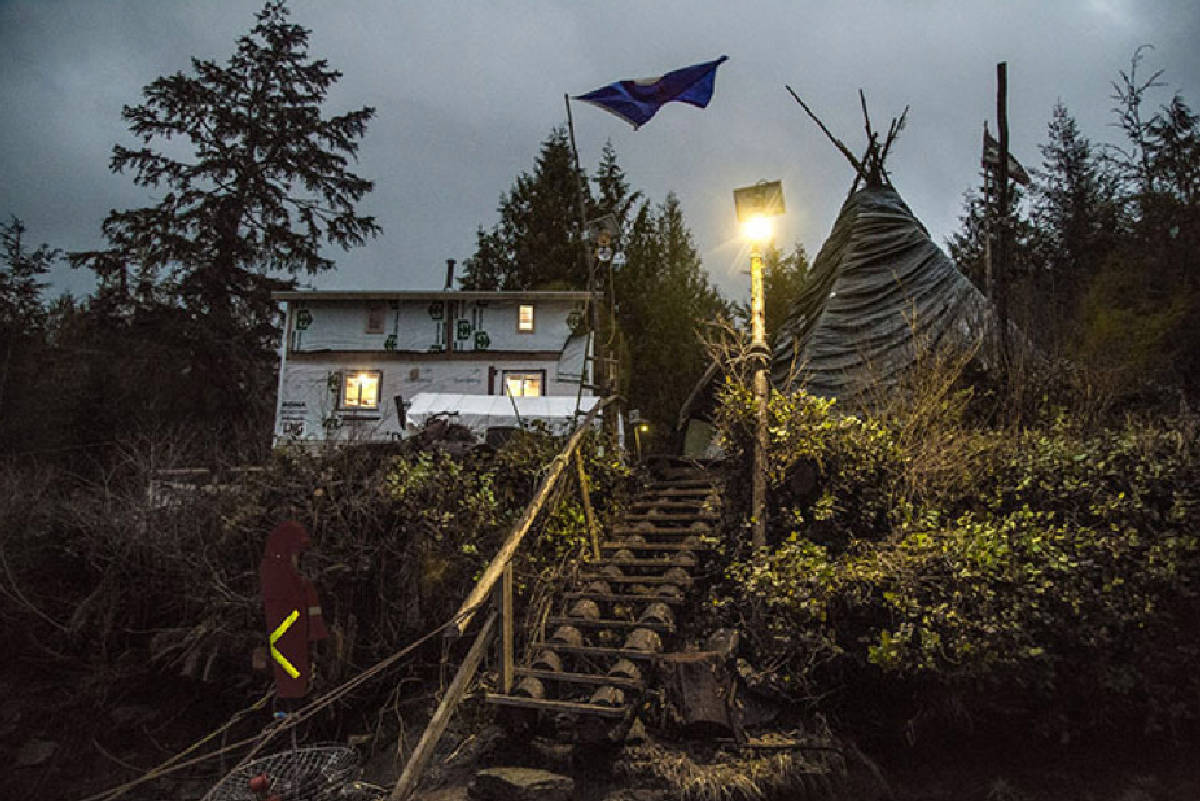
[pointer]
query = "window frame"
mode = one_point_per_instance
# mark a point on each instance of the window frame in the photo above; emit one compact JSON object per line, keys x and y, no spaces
{"x":374,"y":309}
{"x":532,"y":318}
{"x":344,"y":407}
{"x":539,"y":374}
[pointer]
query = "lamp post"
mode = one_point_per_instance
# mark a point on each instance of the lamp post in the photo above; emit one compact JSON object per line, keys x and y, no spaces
{"x":756,"y":207}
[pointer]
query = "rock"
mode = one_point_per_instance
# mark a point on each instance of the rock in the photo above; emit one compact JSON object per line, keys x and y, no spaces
{"x":520,"y":784}
{"x":35,"y":752}
{"x":637,"y":795}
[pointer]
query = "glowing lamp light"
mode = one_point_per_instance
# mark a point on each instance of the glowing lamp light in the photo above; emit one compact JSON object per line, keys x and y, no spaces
{"x":758,"y":229}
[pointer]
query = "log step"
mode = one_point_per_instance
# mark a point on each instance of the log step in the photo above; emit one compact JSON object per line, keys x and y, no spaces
{"x":667,"y":530}
{"x":609,"y":624}
{"x":583,"y":678}
{"x":663,"y":562}
{"x":663,"y":504}
{"x":617,"y":545}
{"x":549,"y":705}
{"x":664,"y":518}
{"x":666,"y":494}
{"x":601,"y":650}
{"x":637,"y":579}
{"x":617,"y":597}
{"x":682,"y":483}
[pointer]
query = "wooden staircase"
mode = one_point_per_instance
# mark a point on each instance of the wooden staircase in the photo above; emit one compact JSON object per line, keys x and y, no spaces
{"x":621,"y":609}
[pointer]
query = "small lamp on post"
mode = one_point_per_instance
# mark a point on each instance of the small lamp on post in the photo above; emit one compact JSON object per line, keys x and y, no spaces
{"x":757,"y":206}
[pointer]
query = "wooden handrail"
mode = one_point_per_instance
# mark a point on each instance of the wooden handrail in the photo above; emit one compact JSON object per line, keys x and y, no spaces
{"x":503,"y":556}
{"x":500,"y":566}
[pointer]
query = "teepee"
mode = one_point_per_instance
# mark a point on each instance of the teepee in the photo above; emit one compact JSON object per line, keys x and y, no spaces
{"x":880,"y":292}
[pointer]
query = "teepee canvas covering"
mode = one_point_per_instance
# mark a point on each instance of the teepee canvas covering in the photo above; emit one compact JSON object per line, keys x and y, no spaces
{"x":880,"y":293}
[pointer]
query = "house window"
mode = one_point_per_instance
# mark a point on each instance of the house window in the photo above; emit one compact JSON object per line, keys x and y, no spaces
{"x":360,"y":390}
{"x":375,"y":315}
{"x":524,"y":385}
{"x":525,"y":318}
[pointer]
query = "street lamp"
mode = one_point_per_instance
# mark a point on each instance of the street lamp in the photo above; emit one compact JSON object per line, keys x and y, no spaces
{"x":756,"y":207}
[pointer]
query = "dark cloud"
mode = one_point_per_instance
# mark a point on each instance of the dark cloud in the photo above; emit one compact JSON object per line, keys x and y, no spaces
{"x":466,"y":91}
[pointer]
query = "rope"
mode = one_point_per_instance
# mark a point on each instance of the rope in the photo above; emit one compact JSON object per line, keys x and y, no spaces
{"x":262,"y":738}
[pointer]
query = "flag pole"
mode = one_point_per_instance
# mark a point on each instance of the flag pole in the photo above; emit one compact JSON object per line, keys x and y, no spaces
{"x":599,"y":366}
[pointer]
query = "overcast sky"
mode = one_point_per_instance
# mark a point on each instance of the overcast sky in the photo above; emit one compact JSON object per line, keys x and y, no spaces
{"x":466,"y":92}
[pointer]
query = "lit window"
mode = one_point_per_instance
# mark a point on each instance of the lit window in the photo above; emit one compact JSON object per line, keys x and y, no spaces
{"x":525,"y":318}
{"x":360,"y":390}
{"x":523,"y":385}
{"x":375,"y":315}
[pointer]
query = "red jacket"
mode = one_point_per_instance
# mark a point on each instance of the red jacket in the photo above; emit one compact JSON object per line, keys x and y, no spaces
{"x":285,"y":591}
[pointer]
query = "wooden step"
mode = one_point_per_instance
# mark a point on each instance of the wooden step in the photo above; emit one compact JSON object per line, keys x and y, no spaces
{"x":599,"y":650}
{"x":681,"y":483}
{"x":598,"y":679}
{"x":665,"y":530}
{"x":667,"y":518}
{"x":548,"y":705}
{"x":684,"y":492}
{"x":669,"y":504}
{"x":637,"y":579}
{"x":617,"y":545}
{"x":651,"y":563}
{"x":582,"y":622}
{"x":616,"y":597}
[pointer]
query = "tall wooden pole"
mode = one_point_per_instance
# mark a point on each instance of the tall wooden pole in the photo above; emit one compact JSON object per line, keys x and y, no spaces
{"x":758,"y":344}
{"x":1001,"y":255}
{"x":600,"y":371}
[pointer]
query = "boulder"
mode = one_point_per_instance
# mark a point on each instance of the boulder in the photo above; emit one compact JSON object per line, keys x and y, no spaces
{"x":520,"y":784}
{"x":35,"y":752}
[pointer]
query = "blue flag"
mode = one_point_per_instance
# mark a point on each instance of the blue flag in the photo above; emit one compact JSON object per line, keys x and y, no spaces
{"x":637,"y":101}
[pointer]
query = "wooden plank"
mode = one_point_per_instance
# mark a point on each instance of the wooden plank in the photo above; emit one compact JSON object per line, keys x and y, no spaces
{"x":549,"y":705}
{"x":600,"y":650}
{"x":665,"y":530}
{"x":504,"y":599}
{"x":617,"y":597}
{"x":669,"y":518}
{"x":617,"y":545}
{"x":638,"y":579}
{"x":598,"y":679}
{"x":492,"y":574}
{"x":651,"y":563}
{"x":583,"y":623}
{"x":419,"y":759}
{"x":586,"y":493}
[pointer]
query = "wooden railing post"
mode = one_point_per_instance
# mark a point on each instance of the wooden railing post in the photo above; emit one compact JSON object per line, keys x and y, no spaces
{"x":586,"y":491}
{"x":504,"y":605}
{"x":421,"y":755}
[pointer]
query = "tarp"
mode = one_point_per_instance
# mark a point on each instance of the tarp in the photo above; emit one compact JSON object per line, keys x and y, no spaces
{"x":480,"y":412}
{"x":879,"y":290}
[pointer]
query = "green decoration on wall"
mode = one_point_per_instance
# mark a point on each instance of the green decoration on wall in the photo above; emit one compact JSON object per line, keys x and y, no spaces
{"x":390,"y":342}
{"x":464,"y":329}
{"x":482,"y":340}
{"x":304,"y":319}
{"x":575,"y":321}
{"x":436,"y":310}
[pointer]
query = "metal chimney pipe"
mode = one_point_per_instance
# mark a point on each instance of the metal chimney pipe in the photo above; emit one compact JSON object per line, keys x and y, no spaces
{"x":449,"y":274}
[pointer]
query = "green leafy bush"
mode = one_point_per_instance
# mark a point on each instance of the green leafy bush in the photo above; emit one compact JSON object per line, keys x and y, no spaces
{"x":1047,"y":576}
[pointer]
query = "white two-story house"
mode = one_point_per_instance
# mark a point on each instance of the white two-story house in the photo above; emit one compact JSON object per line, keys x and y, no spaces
{"x":355,"y":366}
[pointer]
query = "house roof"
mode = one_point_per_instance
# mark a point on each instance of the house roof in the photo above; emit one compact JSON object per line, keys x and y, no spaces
{"x":408,"y":294}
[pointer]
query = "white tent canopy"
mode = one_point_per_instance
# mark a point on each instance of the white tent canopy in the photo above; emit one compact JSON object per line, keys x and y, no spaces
{"x":480,"y":412}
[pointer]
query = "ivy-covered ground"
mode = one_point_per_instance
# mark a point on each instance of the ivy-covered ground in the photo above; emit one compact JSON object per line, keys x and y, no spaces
{"x":931,"y":576}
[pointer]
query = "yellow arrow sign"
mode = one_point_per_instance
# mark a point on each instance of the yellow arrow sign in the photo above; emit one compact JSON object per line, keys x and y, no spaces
{"x":275,"y":635}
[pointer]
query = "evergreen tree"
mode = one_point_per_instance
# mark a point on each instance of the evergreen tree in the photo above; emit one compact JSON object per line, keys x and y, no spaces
{"x":536,"y":243}
{"x":1074,"y":212}
{"x":22,"y":321}
{"x":664,"y":296}
{"x":267,"y":185}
